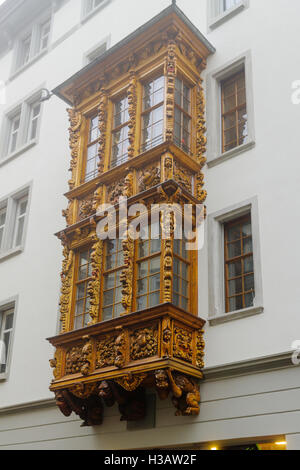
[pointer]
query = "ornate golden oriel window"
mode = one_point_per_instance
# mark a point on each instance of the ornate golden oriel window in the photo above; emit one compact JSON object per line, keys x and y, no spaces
{"x":129,"y":309}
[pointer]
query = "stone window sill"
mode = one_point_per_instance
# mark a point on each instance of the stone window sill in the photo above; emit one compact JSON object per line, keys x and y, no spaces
{"x":230,"y":154}
{"x":18,"y":152}
{"x":9,"y":254}
{"x":238,"y":315}
{"x":227,"y":15}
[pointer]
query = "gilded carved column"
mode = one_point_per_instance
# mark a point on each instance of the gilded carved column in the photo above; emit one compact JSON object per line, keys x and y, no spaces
{"x":170,"y":73}
{"x":66,"y":288}
{"x":75,"y":119}
{"x":94,"y":284}
{"x":126,"y":277}
{"x":167,"y":222}
{"x":132,"y":104}
{"x":102,"y":115}
{"x":200,"y":141}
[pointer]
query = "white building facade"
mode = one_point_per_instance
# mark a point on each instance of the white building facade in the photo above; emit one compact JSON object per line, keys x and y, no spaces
{"x":251,"y":389}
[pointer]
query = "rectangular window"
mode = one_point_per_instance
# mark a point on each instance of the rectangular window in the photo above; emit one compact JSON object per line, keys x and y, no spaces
{"x":2,"y":224}
{"x":153,"y":113}
{"x":91,"y":169}
{"x":239,"y":267}
{"x":33,"y":43}
{"x":82,"y":303}
{"x":148,"y":268}
{"x":112,"y":288}
{"x":13,"y":217}
{"x":120,"y":142}
{"x":35,"y":110}
{"x":21,"y":126}
{"x":92,"y":5}
{"x":20,"y":219}
{"x":44,"y":35}
{"x":182,"y":126}
{"x":234,"y":112}
{"x":6,"y":328}
{"x":14,"y":128}
{"x":228,"y":4}
{"x":181,"y":275}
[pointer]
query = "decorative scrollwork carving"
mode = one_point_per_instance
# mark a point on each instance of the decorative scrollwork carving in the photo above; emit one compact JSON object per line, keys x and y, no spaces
{"x":167,"y":271}
{"x":200,"y":345}
{"x":120,"y":350}
{"x":170,"y":70}
{"x":183,"y":176}
{"x":166,"y":337}
{"x":182,"y":344}
{"x":56,"y":363}
{"x":66,"y":287}
{"x":68,"y":213}
{"x":143,"y":343}
{"x":78,"y":359}
{"x":102,"y":115}
{"x":105,"y":352}
{"x":127,"y":273}
{"x":200,"y":125}
{"x":149,"y":177}
{"x":75,"y":119}
{"x":90,"y":410}
{"x":131,"y":382}
{"x":94,"y":284}
{"x":85,"y":208}
{"x":132,"y":100}
{"x":120,"y":188}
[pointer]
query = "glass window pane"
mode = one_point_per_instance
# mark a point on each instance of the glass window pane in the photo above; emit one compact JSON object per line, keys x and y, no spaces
{"x":235,"y":287}
{"x":142,"y":303}
{"x":248,"y":264}
{"x":249,"y":300}
{"x":142,"y":286}
{"x":247,"y":242}
{"x":236,"y":303}
{"x":108,"y":297}
{"x":107,"y":313}
{"x":143,"y":269}
{"x":79,"y":307}
{"x":154,"y":265}
{"x":235,"y":269}
{"x":80,"y":291}
{"x":155,"y":282}
{"x":154,"y":299}
{"x":234,"y":249}
{"x":249,"y":282}
{"x":184,"y":303}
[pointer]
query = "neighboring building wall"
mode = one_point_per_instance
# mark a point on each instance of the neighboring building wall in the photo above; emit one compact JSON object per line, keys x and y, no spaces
{"x":264,"y":404}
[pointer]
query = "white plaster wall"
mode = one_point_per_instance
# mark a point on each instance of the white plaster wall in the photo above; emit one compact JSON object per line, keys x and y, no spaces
{"x":269,"y":171}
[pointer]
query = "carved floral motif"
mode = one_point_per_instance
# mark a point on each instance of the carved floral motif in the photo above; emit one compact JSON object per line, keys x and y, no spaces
{"x":131,"y":382}
{"x":200,"y":345}
{"x":56,"y":363}
{"x":120,"y":188}
{"x":85,"y":208}
{"x":183,"y":176}
{"x":127,"y":273}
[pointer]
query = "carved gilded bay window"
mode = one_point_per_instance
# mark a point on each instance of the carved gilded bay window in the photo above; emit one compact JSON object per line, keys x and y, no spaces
{"x":129,"y":313}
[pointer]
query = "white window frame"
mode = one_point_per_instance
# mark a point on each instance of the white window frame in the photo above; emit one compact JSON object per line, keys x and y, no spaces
{"x":11,"y":202}
{"x":214,"y":111}
{"x":34,"y":31}
{"x":216,"y":263}
{"x":217,"y":16}
{"x":8,"y":306}
{"x":24,"y":109}
{"x":102,"y":45}
{"x":87,"y":13}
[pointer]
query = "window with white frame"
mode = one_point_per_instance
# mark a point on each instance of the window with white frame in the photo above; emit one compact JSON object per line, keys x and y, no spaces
{"x":235,"y":282}
{"x":21,"y":126}
{"x":13,"y":218}
{"x":230,"y":110}
{"x":92,"y":5}
{"x":95,"y":53}
{"x":33,"y":42}
{"x":6,"y":329}
{"x":223,"y":10}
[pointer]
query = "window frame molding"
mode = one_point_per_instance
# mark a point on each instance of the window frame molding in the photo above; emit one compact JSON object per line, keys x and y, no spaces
{"x":215,"y":19}
{"x":215,"y":155}
{"x":10,"y":303}
{"x":34,"y":29}
{"x":216,"y":263}
{"x":10,"y":201}
{"x":86,"y":15}
{"x":23,"y":107}
{"x":104,"y":42}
